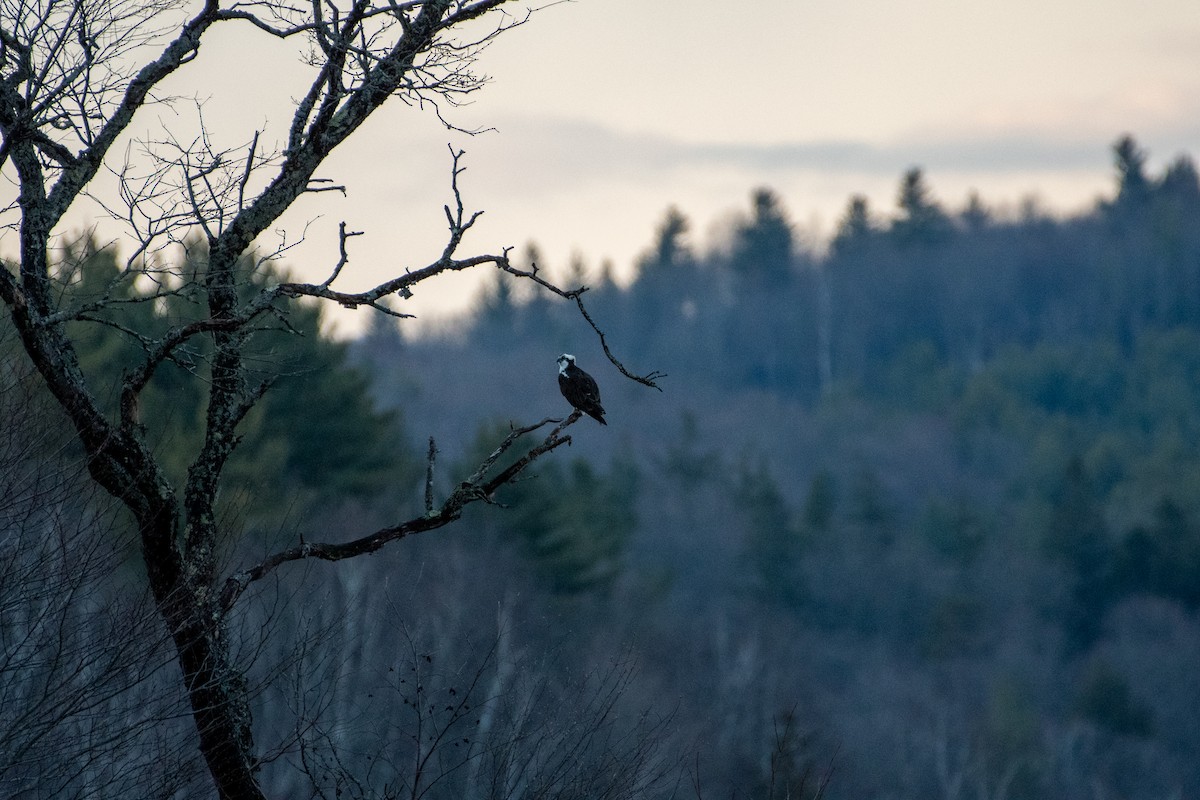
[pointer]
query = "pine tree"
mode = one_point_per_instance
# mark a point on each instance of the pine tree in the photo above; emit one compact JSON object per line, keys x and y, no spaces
{"x":762,"y":245}
{"x":922,"y":222}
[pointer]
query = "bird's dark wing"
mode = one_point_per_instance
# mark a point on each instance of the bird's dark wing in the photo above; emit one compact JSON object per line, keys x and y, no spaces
{"x":588,"y":387}
{"x":582,"y":392}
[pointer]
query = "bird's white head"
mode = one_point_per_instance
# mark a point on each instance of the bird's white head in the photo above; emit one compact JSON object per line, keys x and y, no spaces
{"x":565,"y":360}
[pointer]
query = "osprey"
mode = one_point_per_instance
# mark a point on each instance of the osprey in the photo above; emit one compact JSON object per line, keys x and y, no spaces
{"x":579,"y":388}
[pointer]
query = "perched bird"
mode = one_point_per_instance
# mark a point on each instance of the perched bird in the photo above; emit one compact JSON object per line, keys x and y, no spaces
{"x":579,"y":388}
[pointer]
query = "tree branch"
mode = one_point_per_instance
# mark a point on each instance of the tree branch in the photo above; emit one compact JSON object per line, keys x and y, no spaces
{"x":650,"y":379}
{"x":476,"y":488}
{"x":343,"y":236}
{"x":458,"y":222}
{"x":181,"y":50}
{"x":157,"y":352}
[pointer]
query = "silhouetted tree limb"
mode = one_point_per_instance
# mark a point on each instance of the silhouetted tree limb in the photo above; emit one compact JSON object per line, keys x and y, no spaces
{"x":650,"y":379}
{"x":478,"y":487}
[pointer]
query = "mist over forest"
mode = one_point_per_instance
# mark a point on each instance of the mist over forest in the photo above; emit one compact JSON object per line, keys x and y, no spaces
{"x":916,"y":515}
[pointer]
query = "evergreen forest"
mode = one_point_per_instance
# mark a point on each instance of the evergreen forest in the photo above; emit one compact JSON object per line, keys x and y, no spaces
{"x":916,"y":514}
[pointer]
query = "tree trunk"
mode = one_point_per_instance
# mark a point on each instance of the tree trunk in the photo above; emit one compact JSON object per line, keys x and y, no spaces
{"x":119,"y":461}
{"x":215,"y":686}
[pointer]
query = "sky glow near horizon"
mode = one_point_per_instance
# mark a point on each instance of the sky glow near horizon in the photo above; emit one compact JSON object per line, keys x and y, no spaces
{"x":606,"y":112}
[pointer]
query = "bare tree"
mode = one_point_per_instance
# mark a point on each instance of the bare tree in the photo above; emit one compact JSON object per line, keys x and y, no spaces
{"x":74,"y":78}
{"x":492,"y":722}
{"x":88,"y":708}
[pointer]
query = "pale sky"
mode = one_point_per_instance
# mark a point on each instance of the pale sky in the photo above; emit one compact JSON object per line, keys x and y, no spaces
{"x":606,"y":112}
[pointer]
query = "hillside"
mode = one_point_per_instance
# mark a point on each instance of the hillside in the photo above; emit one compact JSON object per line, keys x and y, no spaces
{"x":928,"y":503}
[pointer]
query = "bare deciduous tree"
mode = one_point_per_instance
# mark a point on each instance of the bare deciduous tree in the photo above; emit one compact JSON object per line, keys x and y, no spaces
{"x":88,"y":708}
{"x":74,"y":78}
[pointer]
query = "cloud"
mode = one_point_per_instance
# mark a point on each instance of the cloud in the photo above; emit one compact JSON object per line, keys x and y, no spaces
{"x":540,"y":153}
{"x":1009,"y":153}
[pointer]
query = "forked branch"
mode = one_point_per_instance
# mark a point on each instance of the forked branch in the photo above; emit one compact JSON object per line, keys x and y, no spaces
{"x":458,"y":222}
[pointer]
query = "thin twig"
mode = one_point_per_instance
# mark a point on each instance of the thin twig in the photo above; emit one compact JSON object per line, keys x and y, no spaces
{"x":343,"y":235}
{"x":246,"y":173}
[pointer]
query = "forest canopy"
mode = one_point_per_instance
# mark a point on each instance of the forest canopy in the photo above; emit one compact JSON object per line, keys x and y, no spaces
{"x":942,"y":476}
